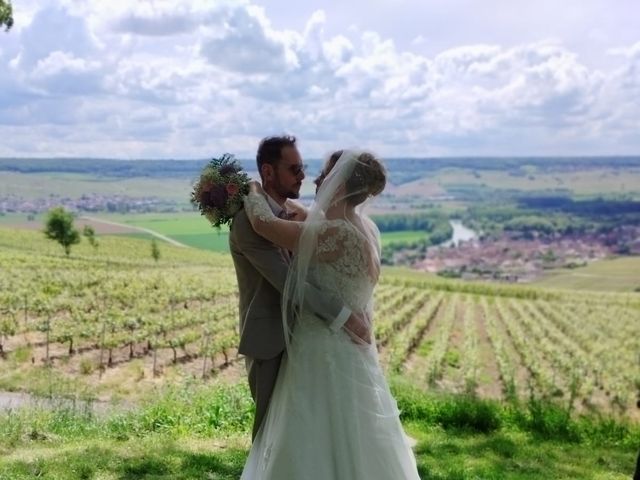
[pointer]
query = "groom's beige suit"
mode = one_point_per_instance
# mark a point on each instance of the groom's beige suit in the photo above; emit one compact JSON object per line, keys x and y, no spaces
{"x":261,"y":268}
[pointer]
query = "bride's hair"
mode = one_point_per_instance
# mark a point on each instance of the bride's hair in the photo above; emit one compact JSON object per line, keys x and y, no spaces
{"x":369,"y":177}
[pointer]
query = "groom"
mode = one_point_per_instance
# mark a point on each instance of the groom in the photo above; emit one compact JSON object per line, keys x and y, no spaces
{"x":261,"y":268}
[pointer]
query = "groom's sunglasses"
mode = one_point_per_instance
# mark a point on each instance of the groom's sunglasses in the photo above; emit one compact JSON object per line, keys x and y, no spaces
{"x":296,"y":169}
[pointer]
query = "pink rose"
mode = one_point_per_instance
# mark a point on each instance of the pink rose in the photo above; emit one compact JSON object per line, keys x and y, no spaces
{"x":232,"y":189}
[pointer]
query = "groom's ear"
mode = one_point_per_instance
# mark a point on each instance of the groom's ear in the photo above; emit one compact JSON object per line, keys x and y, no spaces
{"x":267,"y":172}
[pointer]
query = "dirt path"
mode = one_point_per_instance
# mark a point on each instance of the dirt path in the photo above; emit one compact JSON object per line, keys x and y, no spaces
{"x":138,"y":229}
{"x":16,"y":400}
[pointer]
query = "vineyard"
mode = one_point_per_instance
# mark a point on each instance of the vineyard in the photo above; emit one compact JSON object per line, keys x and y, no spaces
{"x":112,"y":323}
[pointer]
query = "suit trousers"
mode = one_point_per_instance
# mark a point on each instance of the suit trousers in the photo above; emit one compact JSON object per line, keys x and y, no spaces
{"x":262,"y":380}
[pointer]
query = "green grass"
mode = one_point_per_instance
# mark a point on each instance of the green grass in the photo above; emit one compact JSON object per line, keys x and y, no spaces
{"x":41,"y":185}
{"x":189,"y":228}
{"x":195,"y":431}
{"x":154,"y":457}
{"x":579,"y":183}
{"x":18,"y":218}
{"x":186,"y":227}
{"x":193,"y":230}
{"x":513,"y":455}
{"x":180,"y":223}
{"x":112,"y":248}
{"x":618,"y":275}
{"x":409,"y":236}
{"x":441,"y":455}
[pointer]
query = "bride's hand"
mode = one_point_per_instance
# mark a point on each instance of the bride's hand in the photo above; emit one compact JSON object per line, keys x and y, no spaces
{"x":255,"y":187}
{"x":297,"y":209}
{"x":358,"y":327}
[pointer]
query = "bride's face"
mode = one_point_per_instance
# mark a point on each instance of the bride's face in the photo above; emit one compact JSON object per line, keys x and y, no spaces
{"x":319,"y":179}
{"x":329,"y":164}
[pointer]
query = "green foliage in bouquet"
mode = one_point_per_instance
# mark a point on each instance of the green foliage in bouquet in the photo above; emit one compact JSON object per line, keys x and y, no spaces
{"x":218,"y":194}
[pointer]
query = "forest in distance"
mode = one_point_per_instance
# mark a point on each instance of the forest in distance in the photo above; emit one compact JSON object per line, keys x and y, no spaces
{"x":401,"y":170}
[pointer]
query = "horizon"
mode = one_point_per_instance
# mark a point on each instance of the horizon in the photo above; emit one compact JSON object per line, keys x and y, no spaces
{"x":313,"y":158}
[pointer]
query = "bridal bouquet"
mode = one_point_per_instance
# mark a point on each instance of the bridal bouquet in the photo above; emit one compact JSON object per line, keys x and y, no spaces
{"x":219,"y":191}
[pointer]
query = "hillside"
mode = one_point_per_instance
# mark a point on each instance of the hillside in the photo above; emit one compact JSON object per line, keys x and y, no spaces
{"x":110,"y":313}
{"x":490,"y":379}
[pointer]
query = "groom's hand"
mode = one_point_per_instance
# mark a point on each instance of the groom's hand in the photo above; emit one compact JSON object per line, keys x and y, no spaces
{"x":358,"y":327}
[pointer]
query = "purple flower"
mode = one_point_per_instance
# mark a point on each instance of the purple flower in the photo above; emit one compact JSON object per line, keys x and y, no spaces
{"x":219,"y":196}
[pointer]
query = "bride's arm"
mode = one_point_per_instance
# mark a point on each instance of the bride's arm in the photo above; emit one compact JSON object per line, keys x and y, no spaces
{"x":298,"y":210}
{"x":284,"y":233}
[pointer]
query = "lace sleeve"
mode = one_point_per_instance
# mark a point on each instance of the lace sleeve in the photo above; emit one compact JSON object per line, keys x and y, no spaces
{"x":283,"y":233}
{"x":258,"y":209}
{"x":348,"y":250}
{"x":340,"y":244}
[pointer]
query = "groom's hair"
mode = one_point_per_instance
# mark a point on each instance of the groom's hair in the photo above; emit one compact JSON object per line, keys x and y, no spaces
{"x":270,"y":150}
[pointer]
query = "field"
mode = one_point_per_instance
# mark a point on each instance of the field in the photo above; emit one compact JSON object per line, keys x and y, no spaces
{"x":583,"y":183}
{"x":403,"y":237}
{"x":102,"y":315}
{"x":41,"y":185}
{"x":193,"y":230}
{"x":112,"y":326}
{"x":580,"y":180}
{"x":618,"y":274}
{"x":188,"y":228}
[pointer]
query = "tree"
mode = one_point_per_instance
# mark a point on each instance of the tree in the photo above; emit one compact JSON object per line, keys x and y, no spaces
{"x":90,"y":235}
{"x":6,"y":14}
{"x":155,"y":250}
{"x":59,"y":227}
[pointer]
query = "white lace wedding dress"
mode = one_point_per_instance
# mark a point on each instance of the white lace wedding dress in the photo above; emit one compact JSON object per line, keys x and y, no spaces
{"x":332,"y":416}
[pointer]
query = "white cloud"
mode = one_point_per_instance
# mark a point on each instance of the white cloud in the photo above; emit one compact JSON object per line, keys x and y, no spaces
{"x":156,"y":79}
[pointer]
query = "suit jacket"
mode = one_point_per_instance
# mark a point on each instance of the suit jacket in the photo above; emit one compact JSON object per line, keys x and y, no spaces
{"x":261,"y":268}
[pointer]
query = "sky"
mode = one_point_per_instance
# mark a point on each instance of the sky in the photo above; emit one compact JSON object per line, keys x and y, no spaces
{"x":404,"y":78}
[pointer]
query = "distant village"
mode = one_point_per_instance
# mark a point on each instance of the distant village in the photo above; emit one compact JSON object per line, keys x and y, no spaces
{"x":87,"y":203}
{"x":513,"y":259}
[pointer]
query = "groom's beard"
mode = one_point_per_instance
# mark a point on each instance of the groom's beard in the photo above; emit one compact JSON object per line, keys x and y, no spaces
{"x":288,"y":192}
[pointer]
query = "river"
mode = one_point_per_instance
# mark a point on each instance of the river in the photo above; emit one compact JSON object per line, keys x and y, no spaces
{"x":460,"y":234}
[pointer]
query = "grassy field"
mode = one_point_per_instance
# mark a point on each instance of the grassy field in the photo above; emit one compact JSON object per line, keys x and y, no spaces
{"x":619,"y":274}
{"x":41,"y":185}
{"x":189,"y":432}
{"x":580,"y":183}
{"x":401,"y":237}
{"x":193,"y":230}
{"x":585,"y":183}
{"x":189,"y":228}
{"x":10,"y":219}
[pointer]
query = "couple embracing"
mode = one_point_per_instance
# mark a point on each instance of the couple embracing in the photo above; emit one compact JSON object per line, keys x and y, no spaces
{"x":306,"y":279}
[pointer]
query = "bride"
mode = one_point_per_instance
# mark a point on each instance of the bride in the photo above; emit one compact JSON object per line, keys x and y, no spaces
{"x":331,"y":416}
